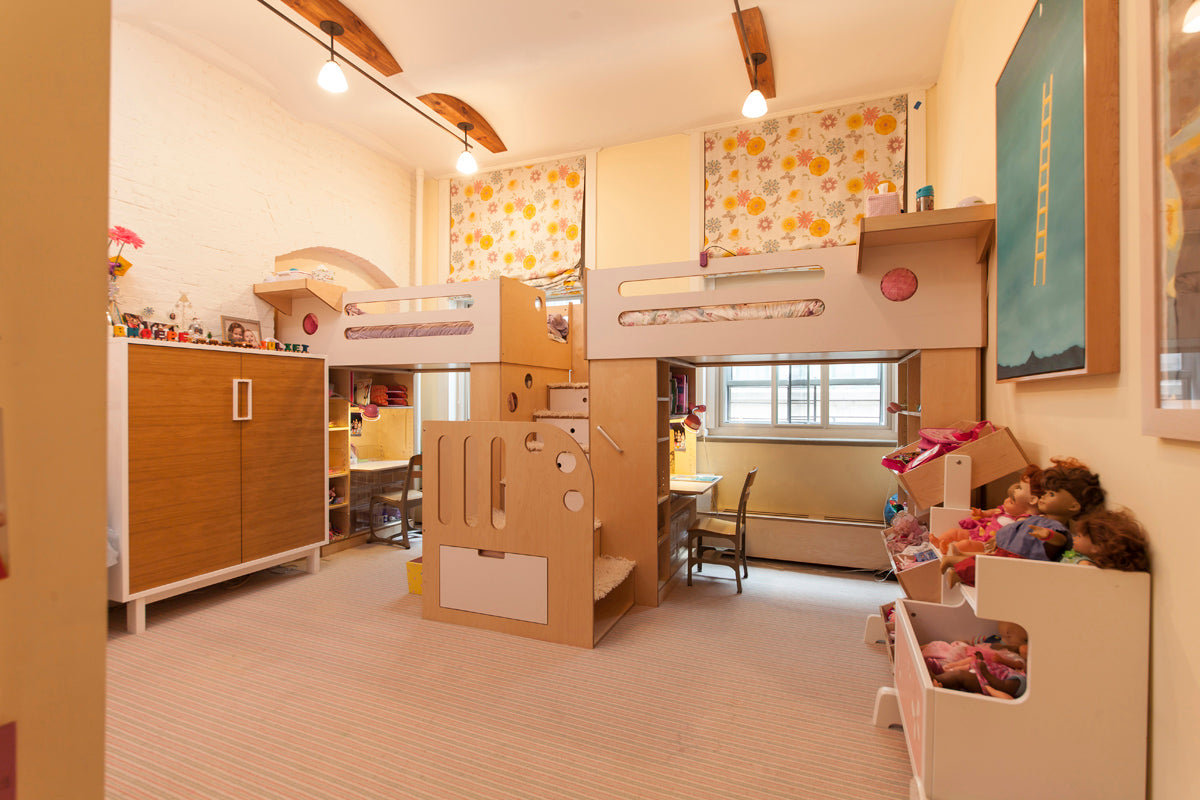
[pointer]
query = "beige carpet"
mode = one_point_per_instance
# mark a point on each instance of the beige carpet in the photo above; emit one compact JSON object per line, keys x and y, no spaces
{"x":332,"y":687}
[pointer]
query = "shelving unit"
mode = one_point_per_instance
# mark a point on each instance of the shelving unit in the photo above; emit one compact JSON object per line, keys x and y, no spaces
{"x":280,"y":294}
{"x":339,"y":454}
{"x":976,"y":222}
{"x":1080,"y":728}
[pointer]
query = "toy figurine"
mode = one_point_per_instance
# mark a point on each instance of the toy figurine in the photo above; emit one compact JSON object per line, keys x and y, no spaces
{"x":991,"y":668}
{"x":1070,"y":490}
{"x":1110,"y":539}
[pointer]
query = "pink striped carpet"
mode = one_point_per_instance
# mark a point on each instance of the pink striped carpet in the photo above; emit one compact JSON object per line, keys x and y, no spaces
{"x":332,"y":687}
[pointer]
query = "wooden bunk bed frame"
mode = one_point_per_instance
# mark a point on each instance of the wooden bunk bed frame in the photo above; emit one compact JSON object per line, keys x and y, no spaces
{"x":506,"y":319}
{"x":511,"y":542}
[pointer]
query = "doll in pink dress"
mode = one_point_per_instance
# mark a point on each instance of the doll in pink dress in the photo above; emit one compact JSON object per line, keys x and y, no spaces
{"x":996,"y":669}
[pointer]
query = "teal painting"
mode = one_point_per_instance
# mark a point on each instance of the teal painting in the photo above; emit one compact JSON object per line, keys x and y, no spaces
{"x":1040,"y":211}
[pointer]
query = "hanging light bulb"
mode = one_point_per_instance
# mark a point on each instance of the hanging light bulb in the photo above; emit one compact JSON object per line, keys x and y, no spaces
{"x":466,"y":161}
{"x":1191,"y":20}
{"x":756,"y":104}
{"x":331,"y":78}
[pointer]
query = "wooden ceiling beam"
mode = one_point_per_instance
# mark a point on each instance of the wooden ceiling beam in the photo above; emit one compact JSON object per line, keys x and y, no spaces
{"x":357,"y":38}
{"x":457,"y":111}
{"x":756,"y":35}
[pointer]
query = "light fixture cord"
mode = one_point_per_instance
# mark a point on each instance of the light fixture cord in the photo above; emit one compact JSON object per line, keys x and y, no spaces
{"x":355,"y":67}
{"x":745,"y":42}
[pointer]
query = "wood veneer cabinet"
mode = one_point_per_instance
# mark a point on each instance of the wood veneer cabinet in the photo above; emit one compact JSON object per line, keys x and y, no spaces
{"x":217,"y":466}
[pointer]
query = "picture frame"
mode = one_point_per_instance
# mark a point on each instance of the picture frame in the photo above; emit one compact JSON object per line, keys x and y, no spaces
{"x":1171,"y":281}
{"x":1057,"y":197}
{"x":133,"y":320}
{"x":238,"y":330}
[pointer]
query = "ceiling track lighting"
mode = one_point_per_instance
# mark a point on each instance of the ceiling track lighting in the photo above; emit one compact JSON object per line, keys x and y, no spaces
{"x":756,"y":52}
{"x":466,"y":161}
{"x":335,"y":29}
{"x":331,"y":78}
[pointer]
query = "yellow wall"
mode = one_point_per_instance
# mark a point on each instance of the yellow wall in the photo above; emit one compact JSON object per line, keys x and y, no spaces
{"x":53,"y":85}
{"x":1096,"y":419}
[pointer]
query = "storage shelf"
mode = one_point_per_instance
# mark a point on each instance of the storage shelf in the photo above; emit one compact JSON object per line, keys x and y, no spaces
{"x":341,"y":474}
{"x":333,"y":428}
{"x":280,"y":294}
{"x":976,"y":222}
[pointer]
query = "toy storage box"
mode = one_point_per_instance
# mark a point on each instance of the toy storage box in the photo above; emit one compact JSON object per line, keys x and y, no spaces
{"x":993,"y":456}
{"x":414,"y":575}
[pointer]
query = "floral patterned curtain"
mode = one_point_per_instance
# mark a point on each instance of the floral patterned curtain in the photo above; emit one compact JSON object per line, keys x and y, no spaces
{"x":797,"y":182}
{"x":524,"y":223}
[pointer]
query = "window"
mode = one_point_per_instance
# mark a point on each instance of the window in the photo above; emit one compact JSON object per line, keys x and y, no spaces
{"x":831,"y":401}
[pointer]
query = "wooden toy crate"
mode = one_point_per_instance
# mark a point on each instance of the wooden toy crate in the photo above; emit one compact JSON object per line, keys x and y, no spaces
{"x":993,"y":456}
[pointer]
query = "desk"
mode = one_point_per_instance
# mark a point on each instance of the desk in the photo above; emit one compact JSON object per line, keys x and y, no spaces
{"x":693,"y":485}
{"x":368,"y":478}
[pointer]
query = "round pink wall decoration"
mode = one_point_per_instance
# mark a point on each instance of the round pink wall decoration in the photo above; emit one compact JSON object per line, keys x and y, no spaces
{"x":898,"y":284}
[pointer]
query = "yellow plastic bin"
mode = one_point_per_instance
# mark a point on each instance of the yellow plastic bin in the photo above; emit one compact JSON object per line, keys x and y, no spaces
{"x":414,"y":575}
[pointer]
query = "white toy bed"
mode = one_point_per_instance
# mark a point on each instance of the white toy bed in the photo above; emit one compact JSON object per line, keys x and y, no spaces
{"x":450,"y":326}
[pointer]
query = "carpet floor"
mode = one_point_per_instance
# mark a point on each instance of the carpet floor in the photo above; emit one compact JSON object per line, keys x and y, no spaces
{"x":332,"y":687}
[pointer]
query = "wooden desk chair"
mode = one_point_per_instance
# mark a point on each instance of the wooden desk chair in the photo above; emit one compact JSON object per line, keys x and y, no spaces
{"x":732,"y":550}
{"x":406,"y":501}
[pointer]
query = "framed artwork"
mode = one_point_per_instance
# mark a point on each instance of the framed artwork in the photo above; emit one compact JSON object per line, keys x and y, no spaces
{"x":1171,"y":286}
{"x":1057,"y":194}
{"x":240,"y":331}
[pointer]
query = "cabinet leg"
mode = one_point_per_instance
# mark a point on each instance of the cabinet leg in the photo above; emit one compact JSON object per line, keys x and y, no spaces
{"x":887,"y":707}
{"x":135,"y":616}
{"x":312,"y":561}
{"x":875,"y":632}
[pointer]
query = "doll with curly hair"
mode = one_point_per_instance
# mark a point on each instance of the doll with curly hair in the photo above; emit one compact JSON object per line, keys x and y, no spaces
{"x":1110,"y":539}
{"x":1069,"y":490}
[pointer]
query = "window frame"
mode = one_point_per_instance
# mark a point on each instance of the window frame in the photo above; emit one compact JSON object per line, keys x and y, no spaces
{"x":714,"y":384}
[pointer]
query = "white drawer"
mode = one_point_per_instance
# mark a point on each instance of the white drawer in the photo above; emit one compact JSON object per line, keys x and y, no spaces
{"x":490,"y":582}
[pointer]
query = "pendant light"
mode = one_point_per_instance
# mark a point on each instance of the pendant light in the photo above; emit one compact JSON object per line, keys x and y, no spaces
{"x":331,"y":78}
{"x":466,"y":161}
{"x":1191,"y":20}
{"x":755,"y":105}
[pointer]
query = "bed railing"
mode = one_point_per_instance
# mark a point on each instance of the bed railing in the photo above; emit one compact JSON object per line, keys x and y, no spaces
{"x":798,"y":302}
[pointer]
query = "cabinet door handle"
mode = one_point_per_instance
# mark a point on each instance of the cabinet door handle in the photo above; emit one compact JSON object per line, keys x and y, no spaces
{"x":604,"y":433}
{"x":237,"y":394}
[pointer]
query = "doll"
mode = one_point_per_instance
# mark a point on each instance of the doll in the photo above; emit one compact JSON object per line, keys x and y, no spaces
{"x":976,"y":531}
{"x":1070,"y":490}
{"x":1110,"y":539}
{"x":996,"y":669}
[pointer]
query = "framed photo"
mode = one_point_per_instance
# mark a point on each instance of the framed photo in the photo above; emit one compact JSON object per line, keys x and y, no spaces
{"x":1057,"y":195}
{"x":240,"y":331}
{"x":133,"y":321}
{"x":1171,"y":281}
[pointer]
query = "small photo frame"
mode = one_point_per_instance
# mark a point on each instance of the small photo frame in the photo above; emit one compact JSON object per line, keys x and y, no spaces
{"x":240,"y":331}
{"x":134,"y":321}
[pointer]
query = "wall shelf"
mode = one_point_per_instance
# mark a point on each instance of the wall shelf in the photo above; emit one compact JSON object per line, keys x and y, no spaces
{"x":280,"y":294}
{"x":976,"y":222}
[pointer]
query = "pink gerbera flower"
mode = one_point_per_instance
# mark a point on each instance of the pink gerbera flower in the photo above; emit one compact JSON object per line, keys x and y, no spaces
{"x":124,"y":236}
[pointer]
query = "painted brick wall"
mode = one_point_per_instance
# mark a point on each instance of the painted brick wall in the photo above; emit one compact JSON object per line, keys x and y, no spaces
{"x":219,"y":180}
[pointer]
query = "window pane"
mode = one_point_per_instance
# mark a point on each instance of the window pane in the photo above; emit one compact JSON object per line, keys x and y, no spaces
{"x":798,"y":395}
{"x":748,"y":405}
{"x":856,"y":394}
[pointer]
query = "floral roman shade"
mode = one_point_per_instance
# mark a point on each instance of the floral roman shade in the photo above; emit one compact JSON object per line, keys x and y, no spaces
{"x":524,"y":223}
{"x":797,"y":182}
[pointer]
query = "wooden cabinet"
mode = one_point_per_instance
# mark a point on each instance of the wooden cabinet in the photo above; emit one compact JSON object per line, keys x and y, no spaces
{"x":937,"y":389}
{"x":216,"y":461}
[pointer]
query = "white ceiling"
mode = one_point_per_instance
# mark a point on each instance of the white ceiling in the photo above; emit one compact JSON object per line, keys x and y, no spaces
{"x":554,"y":77}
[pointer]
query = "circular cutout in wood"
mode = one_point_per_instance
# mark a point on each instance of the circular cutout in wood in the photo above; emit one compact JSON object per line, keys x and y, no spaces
{"x":565,"y":462}
{"x":311,"y":324}
{"x":573,"y":500}
{"x":898,"y":284}
{"x":528,"y":381}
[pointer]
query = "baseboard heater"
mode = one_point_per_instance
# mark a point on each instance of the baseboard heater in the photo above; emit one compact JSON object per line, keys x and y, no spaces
{"x":833,"y":542}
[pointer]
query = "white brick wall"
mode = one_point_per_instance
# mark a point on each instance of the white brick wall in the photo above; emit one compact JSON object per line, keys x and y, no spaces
{"x":219,"y":180}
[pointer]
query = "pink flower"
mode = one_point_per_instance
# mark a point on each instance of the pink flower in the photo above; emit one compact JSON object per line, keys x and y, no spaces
{"x":828,"y":185}
{"x":895,"y":144}
{"x":805,"y":218}
{"x":870,"y":115}
{"x":742,"y":138}
{"x":829,"y":121}
{"x":743,"y":197}
{"x":709,"y":144}
{"x":124,"y":236}
{"x":871,"y":180}
{"x":765,"y":163}
{"x":805,"y":157}
{"x":764,"y":223}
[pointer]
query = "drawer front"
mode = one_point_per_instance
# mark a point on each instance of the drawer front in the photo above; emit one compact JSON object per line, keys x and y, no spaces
{"x":490,"y":582}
